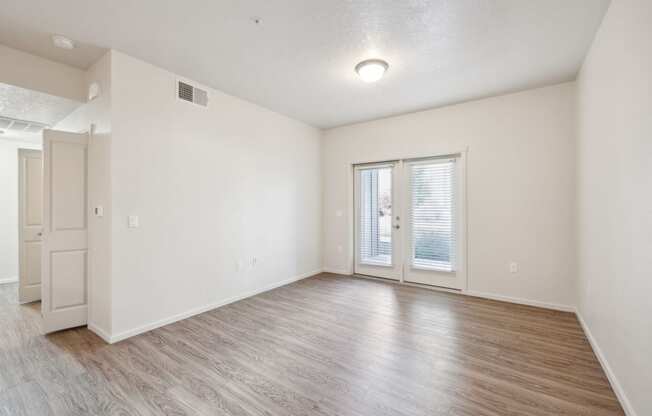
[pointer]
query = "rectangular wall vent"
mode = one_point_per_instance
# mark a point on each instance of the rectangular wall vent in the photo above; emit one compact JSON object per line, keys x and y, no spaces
{"x":23,"y":126}
{"x":187,"y":92}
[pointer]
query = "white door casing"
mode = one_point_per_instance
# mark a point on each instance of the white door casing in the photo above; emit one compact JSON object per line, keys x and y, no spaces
{"x":30,"y":224}
{"x":65,"y":230}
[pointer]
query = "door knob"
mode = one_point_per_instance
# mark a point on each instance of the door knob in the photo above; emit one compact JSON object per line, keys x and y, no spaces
{"x":39,"y":234}
{"x":397,"y":226}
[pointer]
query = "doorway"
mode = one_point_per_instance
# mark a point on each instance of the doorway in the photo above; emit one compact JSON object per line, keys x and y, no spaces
{"x":410,"y":220}
{"x":43,"y":209}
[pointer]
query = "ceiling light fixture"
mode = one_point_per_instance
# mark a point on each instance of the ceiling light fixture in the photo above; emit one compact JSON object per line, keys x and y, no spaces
{"x":63,"y":42}
{"x":371,"y":70}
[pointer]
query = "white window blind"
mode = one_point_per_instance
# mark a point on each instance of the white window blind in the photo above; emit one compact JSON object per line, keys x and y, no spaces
{"x":375,"y":222}
{"x":432,"y":215}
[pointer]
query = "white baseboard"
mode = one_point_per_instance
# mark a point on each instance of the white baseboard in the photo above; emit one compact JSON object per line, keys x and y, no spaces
{"x":615,"y":384}
{"x":100,"y":332}
{"x":521,"y":301}
{"x":502,"y":298}
{"x":9,"y":280}
{"x":113,"y":338}
{"x":337,"y":271}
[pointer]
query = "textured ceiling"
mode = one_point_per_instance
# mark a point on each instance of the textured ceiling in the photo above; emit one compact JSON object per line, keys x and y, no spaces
{"x":299,"y":60}
{"x":23,"y":104}
{"x":30,"y":106}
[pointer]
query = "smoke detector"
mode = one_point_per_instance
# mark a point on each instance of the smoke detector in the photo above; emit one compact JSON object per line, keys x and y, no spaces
{"x":63,"y":42}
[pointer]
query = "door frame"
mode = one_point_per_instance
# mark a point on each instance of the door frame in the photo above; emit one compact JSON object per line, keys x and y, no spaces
{"x":463,"y":243}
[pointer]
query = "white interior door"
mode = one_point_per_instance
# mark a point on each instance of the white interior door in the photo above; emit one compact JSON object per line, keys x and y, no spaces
{"x":410,"y":221}
{"x":65,"y":229}
{"x":30,"y":224}
{"x":377,"y":229}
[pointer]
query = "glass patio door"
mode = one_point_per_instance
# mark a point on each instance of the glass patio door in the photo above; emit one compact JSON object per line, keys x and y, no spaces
{"x":377,"y":239}
{"x":434,"y":222}
{"x":409,"y":221}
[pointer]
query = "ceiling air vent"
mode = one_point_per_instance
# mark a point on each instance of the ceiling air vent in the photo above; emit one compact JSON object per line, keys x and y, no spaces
{"x":187,"y":92}
{"x":23,"y":126}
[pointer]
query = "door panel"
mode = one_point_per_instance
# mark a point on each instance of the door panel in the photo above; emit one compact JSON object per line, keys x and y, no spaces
{"x":33,"y":264}
{"x":69,"y":184}
{"x":65,"y":249}
{"x":377,"y":244}
{"x":33,"y":167}
{"x":69,"y":278}
{"x":30,"y":224}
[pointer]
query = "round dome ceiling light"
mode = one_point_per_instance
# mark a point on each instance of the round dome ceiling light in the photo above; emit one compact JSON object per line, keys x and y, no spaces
{"x":63,"y":42}
{"x":371,"y":70}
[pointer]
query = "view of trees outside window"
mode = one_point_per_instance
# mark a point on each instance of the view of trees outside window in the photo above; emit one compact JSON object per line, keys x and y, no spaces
{"x":385,"y":210}
{"x":431,"y":209}
{"x":376,"y":216}
{"x":432,"y":215}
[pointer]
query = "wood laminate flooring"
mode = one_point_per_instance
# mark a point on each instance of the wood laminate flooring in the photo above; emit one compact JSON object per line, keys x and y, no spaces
{"x":324,"y":346}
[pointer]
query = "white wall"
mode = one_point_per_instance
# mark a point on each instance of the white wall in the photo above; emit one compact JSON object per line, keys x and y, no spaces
{"x":97,"y":113}
{"x":520,"y":186}
{"x":212,"y":187}
{"x":35,"y":73}
{"x":615,"y":198}
{"x":9,"y":208}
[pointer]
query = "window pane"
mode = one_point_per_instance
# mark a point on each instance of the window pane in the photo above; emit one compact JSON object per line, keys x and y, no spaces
{"x":376,"y":216}
{"x":432,"y":215}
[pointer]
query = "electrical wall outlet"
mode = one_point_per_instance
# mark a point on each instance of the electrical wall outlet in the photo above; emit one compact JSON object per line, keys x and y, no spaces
{"x":513,"y":267}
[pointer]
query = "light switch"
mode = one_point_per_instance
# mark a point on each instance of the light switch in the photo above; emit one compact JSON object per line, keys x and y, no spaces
{"x":133,"y":221}
{"x":513,"y":267}
{"x":99,"y":211}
